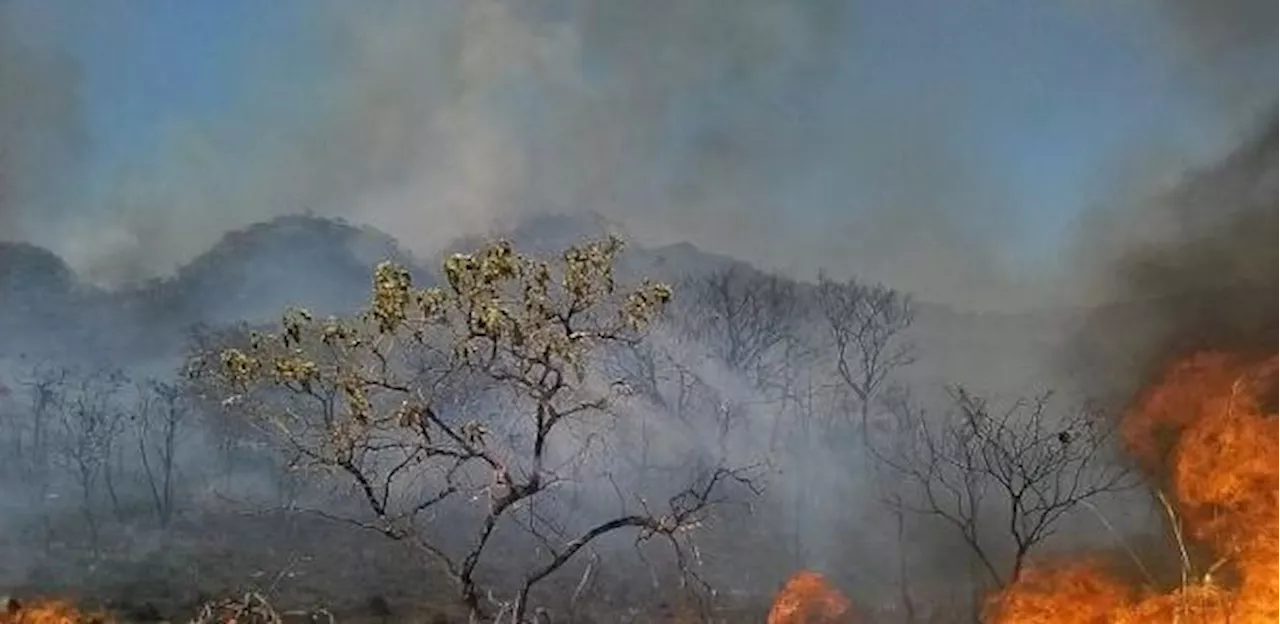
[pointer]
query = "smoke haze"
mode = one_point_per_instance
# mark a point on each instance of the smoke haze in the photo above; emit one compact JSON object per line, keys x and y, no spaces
{"x":999,"y":157}
{"x":753,"y":128}
{"x":1192,"y":246}
{"x":749,"y":128}
{"x":40,"y":126}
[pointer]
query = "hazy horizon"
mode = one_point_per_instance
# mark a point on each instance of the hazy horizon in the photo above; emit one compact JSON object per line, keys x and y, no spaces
{"x":957,"y":153}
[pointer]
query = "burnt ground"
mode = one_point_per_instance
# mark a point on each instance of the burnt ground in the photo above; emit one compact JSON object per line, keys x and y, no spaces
{"x":300,"y":563}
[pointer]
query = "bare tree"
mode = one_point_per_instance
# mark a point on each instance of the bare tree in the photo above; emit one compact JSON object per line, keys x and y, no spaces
{"x":745,"y":317}
{"x":1004,"y":480}
{"x":378,"y":399}
{"x":660,"y":375}
{"x":685,"y":381}
{"x":90,"y":423}
{"x":866,"y":324}
{"x":159,"y":421}
{"x":32,"y":452}
{"x":752,"y":323}
{"x":45,"y":386}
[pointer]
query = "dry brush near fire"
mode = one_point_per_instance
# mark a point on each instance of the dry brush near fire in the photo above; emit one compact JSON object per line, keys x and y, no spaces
{"x":534,"y":437}
{"x":1206,"y":436}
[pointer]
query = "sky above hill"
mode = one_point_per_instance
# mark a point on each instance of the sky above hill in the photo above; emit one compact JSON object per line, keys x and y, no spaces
{"x":951,"y":148}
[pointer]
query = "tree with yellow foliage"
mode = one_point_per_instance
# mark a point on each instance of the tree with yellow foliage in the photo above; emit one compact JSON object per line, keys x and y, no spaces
{"x":383,"y":400}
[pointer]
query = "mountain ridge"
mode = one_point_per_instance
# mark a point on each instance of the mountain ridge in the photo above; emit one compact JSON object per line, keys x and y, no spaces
{"x":252,"y":273}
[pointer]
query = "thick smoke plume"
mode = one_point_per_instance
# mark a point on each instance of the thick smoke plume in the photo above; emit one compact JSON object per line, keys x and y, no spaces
{"x":1196,"y":270}
{"x":1192,"y":266}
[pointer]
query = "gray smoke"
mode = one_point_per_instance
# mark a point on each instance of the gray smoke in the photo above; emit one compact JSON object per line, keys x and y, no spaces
{"x":1196,"y":268}
{"x":432,"y":120}
{"x":717,"y":122}
{"x":1182,"y":254}
{"x":41,"y":136}
{"x":1223,"y":55}
{"x":1221,"y":44}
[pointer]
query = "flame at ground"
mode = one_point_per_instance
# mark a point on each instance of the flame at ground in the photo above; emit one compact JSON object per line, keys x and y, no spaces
{"x":1206,"y":434}
{"x":807,"y":598}
{"x":46,"y":612}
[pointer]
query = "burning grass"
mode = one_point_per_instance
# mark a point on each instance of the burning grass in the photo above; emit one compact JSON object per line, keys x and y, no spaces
{"x":252,"y":608}
{"x":48,"y":611}
{"x":1207,"y":435}
{"x":808,"y":598}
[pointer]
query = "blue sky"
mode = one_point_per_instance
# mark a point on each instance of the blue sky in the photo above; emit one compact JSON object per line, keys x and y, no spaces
{"x":1047,"y":101}
{"x":803,"y":137}
{"x":166,"y":60}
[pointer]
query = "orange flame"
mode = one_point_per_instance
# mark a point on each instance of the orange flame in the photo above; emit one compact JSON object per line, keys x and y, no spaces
{"x":47,"y":612}
{"x":808,"y":598}
{"x":1206,"y":434}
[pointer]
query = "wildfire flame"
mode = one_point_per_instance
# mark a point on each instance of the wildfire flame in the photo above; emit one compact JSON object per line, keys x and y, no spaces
{"x":808,"y":598}
{"x":1207,"y":435}
{"x":46,"y":612}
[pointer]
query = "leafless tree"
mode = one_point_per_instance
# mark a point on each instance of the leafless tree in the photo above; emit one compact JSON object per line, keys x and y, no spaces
{"x":29,"y":462}
{"x":29,"y":425}
{"x":867,"y":325}
{"x":661,"y":376}
{"x":91,"y":422}
{"x":754,"y":324}
{"x":745,"y":317}
{"x":379,"y":399}
{"x":160,"y":417}
{"x":1003,"y":479}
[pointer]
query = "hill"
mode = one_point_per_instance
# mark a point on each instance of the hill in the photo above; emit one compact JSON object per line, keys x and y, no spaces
{"x":324,"y":265}
{"x":250,"y":274}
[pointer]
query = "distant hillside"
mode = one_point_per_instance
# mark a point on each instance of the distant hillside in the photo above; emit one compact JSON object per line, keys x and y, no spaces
{"x":250,"y":274}
{"x":39,"y":295}
{"x":33,"y":279}
{"x":550,"y":234}
{"x":254,"y":273}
